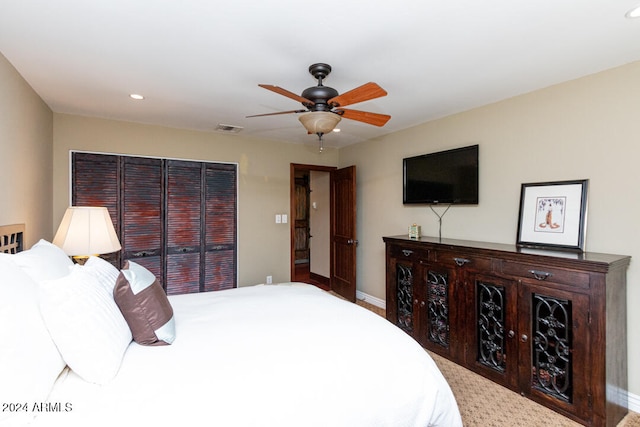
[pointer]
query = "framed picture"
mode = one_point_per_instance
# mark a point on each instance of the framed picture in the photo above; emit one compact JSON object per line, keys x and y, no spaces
{"x":553,"y":214}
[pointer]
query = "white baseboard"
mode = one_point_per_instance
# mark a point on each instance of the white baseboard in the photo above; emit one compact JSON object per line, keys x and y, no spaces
{"x":634,"y":402}
{"x":371,"y":299}
{"x":634,"y":399}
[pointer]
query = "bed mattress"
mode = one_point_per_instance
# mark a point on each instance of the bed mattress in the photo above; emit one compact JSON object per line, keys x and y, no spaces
{"x":265,"y":355}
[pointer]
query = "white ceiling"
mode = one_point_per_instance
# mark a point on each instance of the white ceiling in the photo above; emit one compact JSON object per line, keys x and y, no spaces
{"x":199,"y":62}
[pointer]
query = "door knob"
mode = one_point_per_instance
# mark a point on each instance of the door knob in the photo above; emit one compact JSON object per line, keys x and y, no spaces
{"x":352,"y":242}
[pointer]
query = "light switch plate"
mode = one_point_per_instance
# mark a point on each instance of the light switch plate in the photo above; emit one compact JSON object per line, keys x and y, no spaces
{"x":284,"y":218}
{"x":278,"y":218}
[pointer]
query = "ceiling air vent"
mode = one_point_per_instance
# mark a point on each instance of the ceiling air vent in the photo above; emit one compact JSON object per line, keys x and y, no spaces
{"x":228,"y":128}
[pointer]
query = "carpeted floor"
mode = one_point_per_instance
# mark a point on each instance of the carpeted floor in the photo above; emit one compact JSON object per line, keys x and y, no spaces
{"x":483,"y":403}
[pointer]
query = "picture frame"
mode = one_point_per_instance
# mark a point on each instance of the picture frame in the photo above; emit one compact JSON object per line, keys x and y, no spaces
{"x":553,"y":215}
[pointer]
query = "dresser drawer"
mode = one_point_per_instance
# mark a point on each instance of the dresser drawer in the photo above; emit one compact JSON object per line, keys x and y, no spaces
{"x":409,"y":253}
{"x":462,"y":259}
{"x":542,"y":273}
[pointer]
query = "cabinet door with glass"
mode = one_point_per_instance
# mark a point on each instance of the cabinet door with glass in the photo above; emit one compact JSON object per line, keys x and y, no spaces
{"x":492,"y":326}
{"x":553,"y":339}
{"x":438,"y":310}
{"x":404,"y":288}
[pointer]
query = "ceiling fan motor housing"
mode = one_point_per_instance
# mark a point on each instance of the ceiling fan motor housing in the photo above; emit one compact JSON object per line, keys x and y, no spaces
{"x":319,"y":94}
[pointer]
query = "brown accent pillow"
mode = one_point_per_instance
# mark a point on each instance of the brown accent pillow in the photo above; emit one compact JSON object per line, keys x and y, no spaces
{"x":144,"y":305}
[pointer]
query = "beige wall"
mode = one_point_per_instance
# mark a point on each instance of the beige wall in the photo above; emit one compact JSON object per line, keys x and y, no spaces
{"x":26,"y":134}
{"x":587,"y":128}
{"x":263,"y":182}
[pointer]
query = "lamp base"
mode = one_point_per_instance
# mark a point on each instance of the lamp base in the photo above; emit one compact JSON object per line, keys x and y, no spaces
{"x":80,"y":259}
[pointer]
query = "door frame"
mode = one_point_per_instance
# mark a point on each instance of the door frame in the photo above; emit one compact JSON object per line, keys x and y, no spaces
{"x":292,"y":204}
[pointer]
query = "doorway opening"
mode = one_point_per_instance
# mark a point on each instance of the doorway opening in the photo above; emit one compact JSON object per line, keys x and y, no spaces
{"x":310,"y":225}
{"x":333,"y":268}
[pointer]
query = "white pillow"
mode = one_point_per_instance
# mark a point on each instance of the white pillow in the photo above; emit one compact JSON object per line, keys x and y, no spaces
{"x":86,"y":325}
{"x":102,"y":270}
{"x":44,"y":261}
{"x":29,"y":360}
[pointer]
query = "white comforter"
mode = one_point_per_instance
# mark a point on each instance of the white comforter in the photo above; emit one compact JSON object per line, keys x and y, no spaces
{"x":277,"y":355}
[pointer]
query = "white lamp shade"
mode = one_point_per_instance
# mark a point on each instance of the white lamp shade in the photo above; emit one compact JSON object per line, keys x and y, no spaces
{"x":86,"y":231}
{"x":319,"y":121}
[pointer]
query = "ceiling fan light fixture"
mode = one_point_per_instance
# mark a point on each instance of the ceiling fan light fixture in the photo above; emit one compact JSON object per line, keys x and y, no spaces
{"x":319,"y":121}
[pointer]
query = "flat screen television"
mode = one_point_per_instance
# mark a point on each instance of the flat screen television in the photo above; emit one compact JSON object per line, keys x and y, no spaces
{"x":448,"y":177}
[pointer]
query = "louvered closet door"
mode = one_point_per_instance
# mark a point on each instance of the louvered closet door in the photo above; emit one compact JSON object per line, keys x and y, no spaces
{"x":96,"y":182}
{"x":176,"y":218}
{"x":142,"y":213}
{"x":220,"y":227}
{"x":184,"y":215}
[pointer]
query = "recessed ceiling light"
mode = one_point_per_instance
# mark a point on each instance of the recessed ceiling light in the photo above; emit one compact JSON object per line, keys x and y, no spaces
{"x":136,"y":96}
{"x":633,"y":13}
{"x":336,"y":130}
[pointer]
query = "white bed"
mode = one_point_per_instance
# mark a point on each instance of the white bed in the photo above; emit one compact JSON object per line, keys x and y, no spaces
{"x":265,"y":355}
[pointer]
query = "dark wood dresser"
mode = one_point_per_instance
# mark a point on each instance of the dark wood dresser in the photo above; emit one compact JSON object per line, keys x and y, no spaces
{"x":550,"y":325}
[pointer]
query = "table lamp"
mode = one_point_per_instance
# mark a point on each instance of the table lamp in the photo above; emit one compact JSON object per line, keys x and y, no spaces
{"x":86,"y":231}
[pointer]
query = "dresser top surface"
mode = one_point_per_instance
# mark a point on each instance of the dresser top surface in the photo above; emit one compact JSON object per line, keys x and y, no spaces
{"x":511,"y":249}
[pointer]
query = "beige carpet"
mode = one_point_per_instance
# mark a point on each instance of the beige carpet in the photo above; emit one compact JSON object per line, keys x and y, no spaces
{"x":483,"y":403}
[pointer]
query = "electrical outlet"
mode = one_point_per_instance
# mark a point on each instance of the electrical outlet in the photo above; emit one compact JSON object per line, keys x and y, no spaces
{"x":269,"y":280}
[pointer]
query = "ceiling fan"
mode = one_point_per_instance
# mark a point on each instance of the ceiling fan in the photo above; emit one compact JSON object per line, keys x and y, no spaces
{"x":323,"y":104}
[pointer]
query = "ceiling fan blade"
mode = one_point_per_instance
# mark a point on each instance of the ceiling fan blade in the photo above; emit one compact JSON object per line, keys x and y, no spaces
{"x":281,"y":91}
{"x":280,"y":112}
{"x":364,"y":116}
{"x":362,"y":93}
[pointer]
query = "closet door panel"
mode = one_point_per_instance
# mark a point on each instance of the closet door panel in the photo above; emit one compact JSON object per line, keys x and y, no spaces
{"x":184,"y":216}
{"x":221,"y":209}
{"x":142,"y":213}
{"x":95,"y":181}
{"x":220,"y":227}
{"x":183,"y":273}
{"x":220,"y":270}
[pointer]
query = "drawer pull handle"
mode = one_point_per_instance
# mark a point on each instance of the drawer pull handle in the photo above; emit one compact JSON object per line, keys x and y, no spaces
{"x":540,"y":275}
{"x":407,"y":252}
{"x":461,"y":261}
